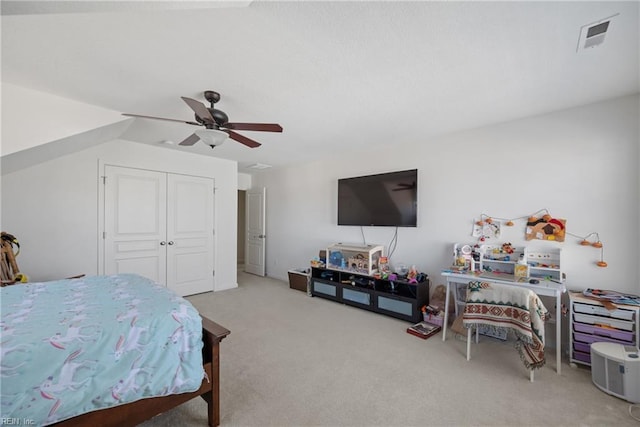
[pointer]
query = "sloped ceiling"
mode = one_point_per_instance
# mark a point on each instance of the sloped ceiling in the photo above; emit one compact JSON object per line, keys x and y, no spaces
{"x":338,"y":76}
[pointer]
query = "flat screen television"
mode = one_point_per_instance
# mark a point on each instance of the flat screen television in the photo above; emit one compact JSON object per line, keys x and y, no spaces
{"x":386,"y":199}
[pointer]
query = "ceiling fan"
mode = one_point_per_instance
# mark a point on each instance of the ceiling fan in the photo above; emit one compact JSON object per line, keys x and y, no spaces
{"x":215,"y":123}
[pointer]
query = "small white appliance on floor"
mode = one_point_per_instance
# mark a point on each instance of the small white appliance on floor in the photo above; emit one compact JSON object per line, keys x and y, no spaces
{"x":615,"y":369}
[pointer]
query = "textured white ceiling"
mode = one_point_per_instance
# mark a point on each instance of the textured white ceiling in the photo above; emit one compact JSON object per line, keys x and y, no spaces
{"x":337,"y":76}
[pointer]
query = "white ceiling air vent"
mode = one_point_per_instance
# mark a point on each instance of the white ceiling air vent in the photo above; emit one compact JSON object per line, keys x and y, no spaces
{"x":592,"y":35}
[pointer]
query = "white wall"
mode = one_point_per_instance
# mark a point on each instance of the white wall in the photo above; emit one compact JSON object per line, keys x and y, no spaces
{"x":31,"y":118}
{"x":244,"y":181}
{"x":580,"y":164}
{"x":52,"y":208}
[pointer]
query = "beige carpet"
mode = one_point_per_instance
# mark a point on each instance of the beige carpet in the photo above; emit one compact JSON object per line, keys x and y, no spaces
{"x":293,"y":360}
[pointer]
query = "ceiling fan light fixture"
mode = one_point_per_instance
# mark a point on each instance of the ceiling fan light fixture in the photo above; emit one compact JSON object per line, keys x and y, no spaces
{"x":258,"y":166}
{"x":212,"y":137}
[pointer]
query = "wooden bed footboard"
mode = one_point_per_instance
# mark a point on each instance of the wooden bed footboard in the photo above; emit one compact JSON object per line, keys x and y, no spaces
{"x":212,"y":334}
{"x":134,"y":413}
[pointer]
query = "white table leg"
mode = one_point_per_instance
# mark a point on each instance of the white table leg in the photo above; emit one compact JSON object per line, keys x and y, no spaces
{"x":558,"y":333}
{"x":446,"y":313}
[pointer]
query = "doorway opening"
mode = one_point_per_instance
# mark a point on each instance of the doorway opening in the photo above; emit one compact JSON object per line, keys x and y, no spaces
{"x":242,"y":217}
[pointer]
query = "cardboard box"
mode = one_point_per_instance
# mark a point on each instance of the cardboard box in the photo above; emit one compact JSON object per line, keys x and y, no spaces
{"x":299,"y":280}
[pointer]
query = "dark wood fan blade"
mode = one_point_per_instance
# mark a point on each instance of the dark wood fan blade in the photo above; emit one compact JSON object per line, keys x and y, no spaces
{"x":259,"y":127}
{"x":242,"y":139}
{"x":403,"y":186}
{"x":162,"y":118}
{"x":200,"y":109}
{"x":190,"y":140}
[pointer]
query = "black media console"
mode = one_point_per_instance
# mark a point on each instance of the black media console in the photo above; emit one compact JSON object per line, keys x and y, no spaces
{"x":399,"y":298}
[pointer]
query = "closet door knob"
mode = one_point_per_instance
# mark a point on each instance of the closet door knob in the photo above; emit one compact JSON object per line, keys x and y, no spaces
{"x":163,"y":243}
{"x":170,"y":243}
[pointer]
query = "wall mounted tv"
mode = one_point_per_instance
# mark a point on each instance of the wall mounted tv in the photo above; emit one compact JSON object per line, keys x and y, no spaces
{"x":386,"y":199}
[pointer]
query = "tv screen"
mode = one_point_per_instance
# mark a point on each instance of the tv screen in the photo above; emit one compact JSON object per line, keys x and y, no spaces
{"x":387,"y":199}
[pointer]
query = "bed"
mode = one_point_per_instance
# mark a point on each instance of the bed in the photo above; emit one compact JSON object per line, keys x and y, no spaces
{"x":109,"y":350}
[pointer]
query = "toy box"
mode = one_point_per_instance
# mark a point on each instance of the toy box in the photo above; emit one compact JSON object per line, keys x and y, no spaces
{"x":433,"y":319}
{"x":353,"y":258}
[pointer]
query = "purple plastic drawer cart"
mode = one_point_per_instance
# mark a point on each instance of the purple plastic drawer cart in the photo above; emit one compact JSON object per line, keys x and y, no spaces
{"x":591,"y":322}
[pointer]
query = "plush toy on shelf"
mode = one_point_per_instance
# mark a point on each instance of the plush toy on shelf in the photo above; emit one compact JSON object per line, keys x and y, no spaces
{"x":412,"y":274}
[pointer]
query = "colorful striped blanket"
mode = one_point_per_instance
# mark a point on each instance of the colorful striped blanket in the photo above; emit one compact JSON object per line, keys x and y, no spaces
{"x":509,"y":307}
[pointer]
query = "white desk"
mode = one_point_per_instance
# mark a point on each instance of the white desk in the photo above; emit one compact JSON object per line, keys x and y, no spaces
{"x":545,"y":287}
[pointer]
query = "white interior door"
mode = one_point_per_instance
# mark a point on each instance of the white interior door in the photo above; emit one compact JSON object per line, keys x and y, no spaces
{"x":255,"y":237}
{"x":190,"y":233}
{"x":135,"y":222}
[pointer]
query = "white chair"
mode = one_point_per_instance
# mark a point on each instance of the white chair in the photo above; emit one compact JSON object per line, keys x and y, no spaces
{"x":512,"y":308}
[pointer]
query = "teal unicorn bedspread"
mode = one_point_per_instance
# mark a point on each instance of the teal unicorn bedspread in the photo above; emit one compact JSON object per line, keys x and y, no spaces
{"x":74,"y":346}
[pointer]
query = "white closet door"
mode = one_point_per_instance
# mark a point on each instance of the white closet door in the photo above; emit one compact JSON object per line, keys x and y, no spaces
{"x":190,"y":248}
{"x":160,"y":226}
{"x":135,"y":222}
